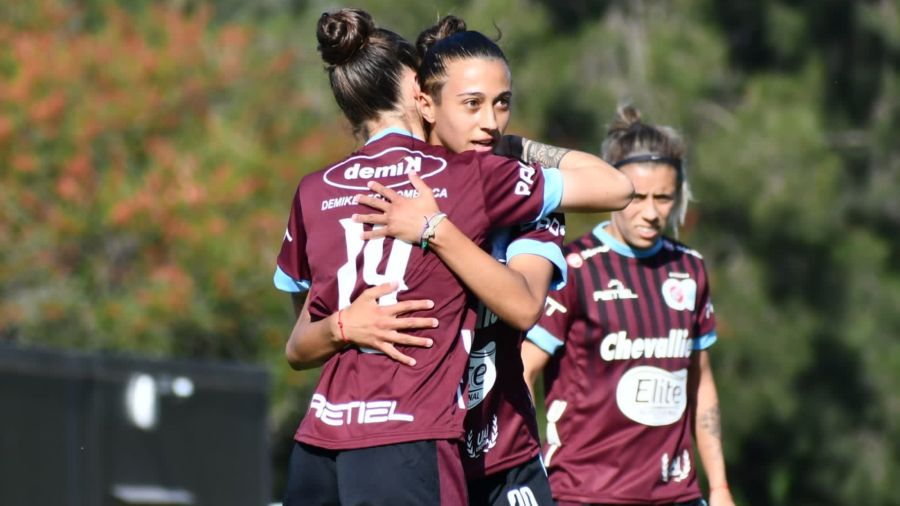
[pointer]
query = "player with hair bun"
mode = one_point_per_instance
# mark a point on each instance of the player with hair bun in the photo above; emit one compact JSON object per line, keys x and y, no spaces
{"x":465,"y":102}
{"x":383,"y":423}
{"x":624,"y":345}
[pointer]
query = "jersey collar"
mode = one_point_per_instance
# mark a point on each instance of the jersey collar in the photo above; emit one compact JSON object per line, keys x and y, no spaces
{"x":622,"y":248}
{"x":388,"y":131}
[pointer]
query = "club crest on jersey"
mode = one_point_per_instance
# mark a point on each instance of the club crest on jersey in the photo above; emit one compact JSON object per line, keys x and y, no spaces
{"x":482,"y":373}
{"x":678,"y":469}
{"x":389,"y":167}
{"x":575,"y":260}
{"x":483,"y":441}
{"x":680,"y":294}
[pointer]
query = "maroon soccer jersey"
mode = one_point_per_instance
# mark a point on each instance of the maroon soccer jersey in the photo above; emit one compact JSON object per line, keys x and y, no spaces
{"x":621,"y":333}
{"x":364,"y":398}
{"x":500,"y":427}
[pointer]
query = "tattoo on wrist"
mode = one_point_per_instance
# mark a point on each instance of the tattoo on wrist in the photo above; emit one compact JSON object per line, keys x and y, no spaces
{"x":545,"y":154}
{"x":710,"y":422}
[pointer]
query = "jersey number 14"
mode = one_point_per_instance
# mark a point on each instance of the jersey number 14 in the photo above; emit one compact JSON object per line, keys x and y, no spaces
{"x":372,"y":251}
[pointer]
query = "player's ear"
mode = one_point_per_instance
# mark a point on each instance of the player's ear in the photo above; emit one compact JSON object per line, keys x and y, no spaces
{"x":425,"y":104}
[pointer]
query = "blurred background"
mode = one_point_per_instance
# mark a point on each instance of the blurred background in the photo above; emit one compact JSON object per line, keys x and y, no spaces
{"x":149,"y":151}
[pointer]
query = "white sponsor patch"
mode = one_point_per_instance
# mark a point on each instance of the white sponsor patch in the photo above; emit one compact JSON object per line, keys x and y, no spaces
{"x":356,"y":412}
{"x":575,"y":260}
{"x":615,"y":291}
{"x":680,"y":294}
{"x":482,"y":373}
{"x":652,"y":396}
{"x":354,"y":172}
{"x":618,"y":346}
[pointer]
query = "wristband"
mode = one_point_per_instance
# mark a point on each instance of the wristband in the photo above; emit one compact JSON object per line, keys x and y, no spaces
{"x":511,"y":146}
{"x":341,"y":326}
{"x":719,"y":487}
{"x":428,"y":231}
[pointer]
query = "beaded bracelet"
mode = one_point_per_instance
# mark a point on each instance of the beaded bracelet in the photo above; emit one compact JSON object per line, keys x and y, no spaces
{"x":430,"y":227}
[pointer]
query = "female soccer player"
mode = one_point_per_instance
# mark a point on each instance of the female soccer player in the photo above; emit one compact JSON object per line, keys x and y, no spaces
{"x":377,"y":430}
{"x":465,"y":81}
{"x":623,"y":345}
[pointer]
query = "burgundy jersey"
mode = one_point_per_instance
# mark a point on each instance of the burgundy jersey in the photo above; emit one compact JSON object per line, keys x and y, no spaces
{"x":500,"y":427}
{"x":621,"y":333}
{"x":364,"y":398}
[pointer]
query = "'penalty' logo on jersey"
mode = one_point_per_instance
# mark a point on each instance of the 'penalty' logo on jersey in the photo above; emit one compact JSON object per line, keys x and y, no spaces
{"x":390,"y":167}
{"x":351,"y":412}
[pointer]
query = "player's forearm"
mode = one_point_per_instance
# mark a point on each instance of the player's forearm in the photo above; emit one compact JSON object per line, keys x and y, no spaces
{"x":504,"y":291}
{"x":534,"y":360}
{"x":312,"y":343}
{"x":708,"y":428}
{"x":589,"y":183}
{"x":592,"y":185}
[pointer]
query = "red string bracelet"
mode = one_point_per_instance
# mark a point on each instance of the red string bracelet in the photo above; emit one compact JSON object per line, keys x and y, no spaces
{"x":341,"y":326}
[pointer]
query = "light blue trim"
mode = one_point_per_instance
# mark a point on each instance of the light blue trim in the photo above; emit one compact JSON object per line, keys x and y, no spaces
{"x":622,"y":248}
{"x":388,"y":131}
{"x":553,"y":191}
{"x":705,"y":341}
{"x":547,"y":250}
{"x":286,"y":283}
{"x":544,"y":339}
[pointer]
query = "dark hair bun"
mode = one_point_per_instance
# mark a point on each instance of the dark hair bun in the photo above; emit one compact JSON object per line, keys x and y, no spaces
{"x":341,"y":34}
{"x":440,"y":31}
{"x":626,"y":117}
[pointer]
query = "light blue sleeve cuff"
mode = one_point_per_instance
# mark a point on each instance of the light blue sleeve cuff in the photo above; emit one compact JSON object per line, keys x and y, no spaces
{"x":547,"y":250}
{"x":705,"y":341}
{"x":543,"y":339}
{"x":286,"y":283}
{"x":553,"y":191}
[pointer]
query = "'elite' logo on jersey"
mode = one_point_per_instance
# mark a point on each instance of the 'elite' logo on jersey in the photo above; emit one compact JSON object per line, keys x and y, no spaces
{"x":652,"y":396}
{"x":390,"y":168}
{"x":482,"y":373}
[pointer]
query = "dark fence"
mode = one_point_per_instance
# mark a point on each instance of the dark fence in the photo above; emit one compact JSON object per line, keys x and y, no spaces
{"x":88,"y":430}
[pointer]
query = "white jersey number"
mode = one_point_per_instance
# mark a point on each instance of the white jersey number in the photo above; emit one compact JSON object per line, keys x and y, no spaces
{"x":522,"y":496}
{"x":372,"y":253}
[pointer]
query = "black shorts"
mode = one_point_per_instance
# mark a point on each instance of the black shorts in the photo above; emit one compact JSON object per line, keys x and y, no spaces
{"x":414,"y":474}
{"x":523,"y":485}
{"x":695,"y":502}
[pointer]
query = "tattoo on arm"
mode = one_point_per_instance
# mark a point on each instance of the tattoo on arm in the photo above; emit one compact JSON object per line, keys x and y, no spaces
{"x":545,"y":154}
{"x":711,"y":423}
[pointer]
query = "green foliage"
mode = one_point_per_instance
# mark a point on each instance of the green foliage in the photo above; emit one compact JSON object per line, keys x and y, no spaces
{"x":149,"y":152}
